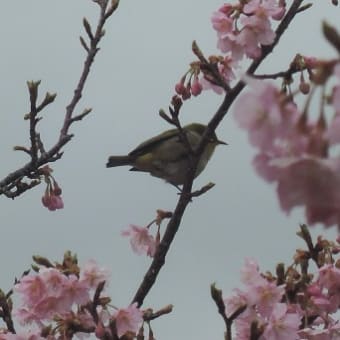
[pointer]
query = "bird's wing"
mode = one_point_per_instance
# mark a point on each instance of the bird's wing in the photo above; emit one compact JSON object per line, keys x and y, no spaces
{"x":149,"y":144}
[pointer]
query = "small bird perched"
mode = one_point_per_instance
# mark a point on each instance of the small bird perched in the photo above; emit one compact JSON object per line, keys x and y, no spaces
{"x":166,"y":156}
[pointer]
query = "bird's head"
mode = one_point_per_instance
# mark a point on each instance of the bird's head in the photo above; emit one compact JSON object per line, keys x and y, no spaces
{"x":199,"y":129}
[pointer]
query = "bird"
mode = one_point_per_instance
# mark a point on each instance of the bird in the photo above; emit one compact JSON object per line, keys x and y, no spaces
{"x":167,"y":156}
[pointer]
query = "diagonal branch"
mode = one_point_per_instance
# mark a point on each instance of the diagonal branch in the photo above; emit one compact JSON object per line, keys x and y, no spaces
{"x":185,"y":197}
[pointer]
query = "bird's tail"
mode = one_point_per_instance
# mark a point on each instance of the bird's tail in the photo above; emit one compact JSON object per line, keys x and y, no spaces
{"x":118,"y":161}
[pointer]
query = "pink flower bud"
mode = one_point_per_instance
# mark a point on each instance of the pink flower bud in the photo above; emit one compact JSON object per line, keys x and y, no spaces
{"x":45,"y":200}
{"x":196,"y":87}
{"x":180,"y":88}
{"x":52,"y":202}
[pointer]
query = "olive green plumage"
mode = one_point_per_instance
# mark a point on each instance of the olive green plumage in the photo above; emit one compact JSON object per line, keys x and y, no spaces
{"x":166,"y":156}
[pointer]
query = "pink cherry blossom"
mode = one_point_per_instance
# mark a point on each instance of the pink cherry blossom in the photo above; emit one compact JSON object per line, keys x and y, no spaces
{"x":266,"y":115}
{"x":76,"y":290}
{"x":267,"y":8}
{"x":28,"y":315}
{"x":142,"y":242}
{"x":242,"y":28}
{"x":315,"y":184}
{"x":50,"y":292}
{"x":257,"y":31}
{"x":32,"y":288}
{"x":207,"y":85}
{"x":221,"y":22}
{"x":282,"y":325}
{"x":49,"y":306}
{"x":128,"y":319}
{"x":258,"y":291}
{"x":293,"y":152}
{"x":262,"y":163}
{"x":235,"y":301}
{"x":229,"y":44}
{"x":320,"y":300}
{"x":329,"y":277}
{"x":91,"y":274}
{"x":54,"y":281}
{"x":265,"y":296}
{"x":250,"y":273}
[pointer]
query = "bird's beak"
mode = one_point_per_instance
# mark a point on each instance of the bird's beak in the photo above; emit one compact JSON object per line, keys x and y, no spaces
{"x":221,"y":142}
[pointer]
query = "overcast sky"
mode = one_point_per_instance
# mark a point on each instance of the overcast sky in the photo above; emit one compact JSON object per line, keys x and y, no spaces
{"x":146,"y":49}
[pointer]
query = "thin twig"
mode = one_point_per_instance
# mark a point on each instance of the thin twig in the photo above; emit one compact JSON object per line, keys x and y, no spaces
{"x":33,"y":91}
{"x":203,"y":190}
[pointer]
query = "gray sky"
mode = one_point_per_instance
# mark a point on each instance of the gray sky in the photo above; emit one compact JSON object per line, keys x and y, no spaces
{"x":144,"y":53}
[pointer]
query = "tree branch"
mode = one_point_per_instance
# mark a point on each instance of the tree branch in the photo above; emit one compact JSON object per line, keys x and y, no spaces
{"x":185,"y":197}
{"x":14,"y":180}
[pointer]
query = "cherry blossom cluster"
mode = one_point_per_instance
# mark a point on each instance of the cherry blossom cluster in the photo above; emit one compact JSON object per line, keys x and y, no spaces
{"x":64,"y":300}
{"x":242,"y":29}
{"x":52,"y":198}
{"x":200,"y":78}
{"x":294,"y":304}
{"x":297,"y":143}
{"x":190,"y":83}
{"x":262,"y":296}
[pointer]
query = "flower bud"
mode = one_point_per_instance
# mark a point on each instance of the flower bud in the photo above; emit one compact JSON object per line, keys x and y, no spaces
{"x":196,"y":87}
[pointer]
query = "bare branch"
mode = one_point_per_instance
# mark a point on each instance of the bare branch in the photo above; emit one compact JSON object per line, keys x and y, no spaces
{"x":81,"y":116}
{"x":12,"y":185}
{"x":22,"y":148}
{"x":304,"y":8}
{"x":203,"y":190}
